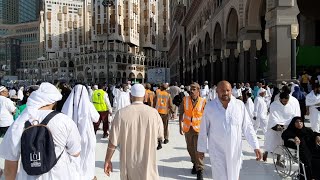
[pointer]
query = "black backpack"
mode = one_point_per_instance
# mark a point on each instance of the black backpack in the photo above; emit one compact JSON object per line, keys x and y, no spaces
{"x":37,"y":147}
{"x":177,"y":100}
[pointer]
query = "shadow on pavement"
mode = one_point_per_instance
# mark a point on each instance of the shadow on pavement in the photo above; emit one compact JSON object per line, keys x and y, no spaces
{"x":176,"y":159}
{"x":180,"y":148}
{"x":174,"y":173}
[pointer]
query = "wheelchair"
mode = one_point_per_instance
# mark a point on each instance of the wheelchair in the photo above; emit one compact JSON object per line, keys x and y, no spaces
{"x":287,"y":162}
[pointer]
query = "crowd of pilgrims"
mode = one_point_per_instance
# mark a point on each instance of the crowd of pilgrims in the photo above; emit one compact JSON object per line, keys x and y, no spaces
{"x":268,"y":106}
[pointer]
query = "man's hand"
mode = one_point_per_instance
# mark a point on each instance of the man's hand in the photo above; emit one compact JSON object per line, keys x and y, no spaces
{"x":258,"y":154}
{"x":318,"y":140}
{"x":108,"y":168}
{"x":297,"y":140}
{"x":181,"y":130}
{"x":201,"y":155}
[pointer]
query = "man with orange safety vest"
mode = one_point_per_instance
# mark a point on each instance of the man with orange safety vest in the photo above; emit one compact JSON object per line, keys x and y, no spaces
{"x":163,"y":104}
{"x":149,"y":96}
{"x":190,"y":115}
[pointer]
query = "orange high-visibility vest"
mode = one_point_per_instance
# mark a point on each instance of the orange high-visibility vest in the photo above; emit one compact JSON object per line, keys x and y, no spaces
{"x":192,"y":115}
{"x":162,"y":102}
{"x":148,"y":98}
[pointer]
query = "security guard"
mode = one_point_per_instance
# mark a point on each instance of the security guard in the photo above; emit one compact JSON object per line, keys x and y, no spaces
{"x":190,"y":115}
{"x":163,"y":104}
{"x":149,"y":96}
{"x":102,"y":104}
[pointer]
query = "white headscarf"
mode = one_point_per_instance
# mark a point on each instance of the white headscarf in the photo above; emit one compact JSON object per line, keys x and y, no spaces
{"x":79,"y":108}
{"x":45,"y":95}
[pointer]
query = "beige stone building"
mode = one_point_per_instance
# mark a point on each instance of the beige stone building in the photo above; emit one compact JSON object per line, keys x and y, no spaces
{"x":239,"y":40}
{"x":135,"y":38}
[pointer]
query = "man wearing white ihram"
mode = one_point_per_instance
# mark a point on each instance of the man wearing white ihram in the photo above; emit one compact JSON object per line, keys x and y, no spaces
{"x":79,"y":108}
{"x":224,"y":121}
{"x":66,"y":137}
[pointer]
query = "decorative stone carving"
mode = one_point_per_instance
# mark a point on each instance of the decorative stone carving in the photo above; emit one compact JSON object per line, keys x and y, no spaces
{"x":246,"y":45}
{"x":259,"y":44}
{"x":227,"y":53}
{"x":294,"y":31}
{"x":267,"y":35}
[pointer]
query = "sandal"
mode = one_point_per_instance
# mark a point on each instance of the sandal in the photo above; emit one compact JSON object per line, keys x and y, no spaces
{"x":265,"y":156}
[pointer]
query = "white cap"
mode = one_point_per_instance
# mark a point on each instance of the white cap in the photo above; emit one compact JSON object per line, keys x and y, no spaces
{"x":182,"y":87}
{"x":2,"y":88}
{"x":137,"y":90}
{"x":261,"y":90}
{"x":206,"y":82}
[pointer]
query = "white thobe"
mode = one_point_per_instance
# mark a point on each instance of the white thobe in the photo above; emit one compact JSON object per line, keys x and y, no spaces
{"x":236,"y":92}
{"x":228,"y":125}
{"x":20,"y":94}
{"x":123,"y":100}
{"x":250,"y":107}
{"x":212,"y":94}
{"x":204,"y":93}
{"x":313,"y":101}
{"x":261,"y":114}
{"x":282,"y":115}
{"x":84,"y":114}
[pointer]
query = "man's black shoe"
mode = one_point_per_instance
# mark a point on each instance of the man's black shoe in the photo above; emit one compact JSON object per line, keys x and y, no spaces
{"x":159,"y":145}
{"x":200,"y":175}
{"x":166,"y":141}
{"x":194,"y":170}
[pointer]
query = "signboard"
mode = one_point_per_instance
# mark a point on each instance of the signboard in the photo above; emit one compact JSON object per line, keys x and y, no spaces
{"x":158,"y":75}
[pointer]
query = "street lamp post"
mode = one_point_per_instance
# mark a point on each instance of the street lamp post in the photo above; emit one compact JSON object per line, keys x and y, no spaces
{"x":107,"y":4}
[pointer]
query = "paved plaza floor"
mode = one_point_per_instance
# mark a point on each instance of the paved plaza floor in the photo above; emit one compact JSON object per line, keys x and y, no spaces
{"x":174,"y":161}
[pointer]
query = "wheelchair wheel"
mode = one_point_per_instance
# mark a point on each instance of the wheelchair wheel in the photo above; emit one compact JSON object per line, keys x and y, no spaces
{"x":283,"y":161}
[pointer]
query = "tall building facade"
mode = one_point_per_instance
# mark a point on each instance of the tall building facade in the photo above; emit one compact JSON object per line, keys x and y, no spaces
{"x":9,"y":56}
{"x":62,"y":23}
{"x":133,"y":39}
{"x":9,"y":11}
{"x":29,"y":10}
{"x":28,"y":35}
{"x":238,"y":40}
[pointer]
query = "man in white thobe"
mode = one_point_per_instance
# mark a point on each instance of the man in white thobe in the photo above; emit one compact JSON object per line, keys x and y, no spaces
{"x":224,"y":121}
{"x":64,"y":132}
{"x":7,"y":109}
{"x":281,"y":113}
{"x":260,"y":114}
{"x":313,"y":105}
{"x":135,"y":129}
{"x":236,"y":91}
{"x":123,"y":98}
{"x":212,"y":92}
{"x":84,"y":114}
{"x":20,"y":93}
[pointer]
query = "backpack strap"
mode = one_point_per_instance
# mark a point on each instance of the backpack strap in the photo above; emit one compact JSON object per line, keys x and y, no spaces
{"x":49,"y":117}
{"x":27,"y":124}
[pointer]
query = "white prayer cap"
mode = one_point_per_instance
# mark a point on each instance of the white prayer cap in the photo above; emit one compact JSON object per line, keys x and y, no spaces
{"x":95,"y":87}
{"x":2,"y":88}
{"x":284,"y":83}
{"x":261,"y":90}
{"x":137,"y":90}
{"x":206,"y":82}
{"x":45,"y":95}
{"x":182,"y":87}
